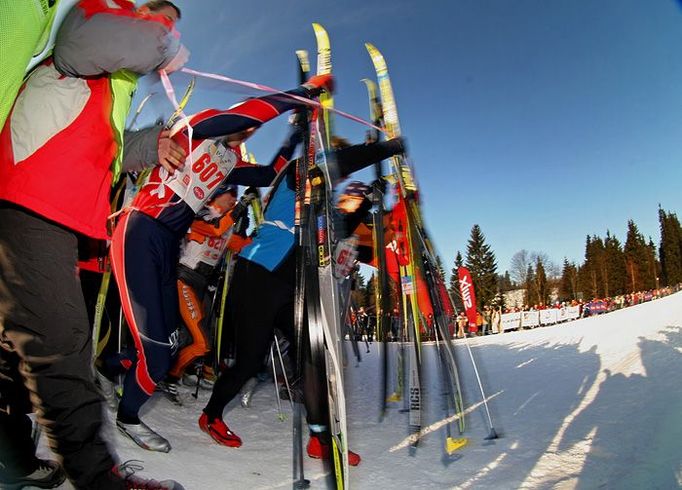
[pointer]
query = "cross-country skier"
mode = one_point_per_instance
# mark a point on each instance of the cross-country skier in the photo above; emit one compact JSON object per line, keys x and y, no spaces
{"x":145,"y":243}
{"x":204,"y":247}
{"x":263,"y":299}
{"x":60,"y":150}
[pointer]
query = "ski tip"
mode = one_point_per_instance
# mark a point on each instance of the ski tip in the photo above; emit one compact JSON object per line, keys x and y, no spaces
{"x":452,"y":445}
{"x":320,"y":31}
{"x":371,"y":86}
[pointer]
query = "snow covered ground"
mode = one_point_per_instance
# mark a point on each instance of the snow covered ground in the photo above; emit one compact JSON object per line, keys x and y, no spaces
{"x":594,"y":403}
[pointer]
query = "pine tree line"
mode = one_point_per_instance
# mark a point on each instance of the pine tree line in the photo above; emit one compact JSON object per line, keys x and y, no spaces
{"x":610,"y":268}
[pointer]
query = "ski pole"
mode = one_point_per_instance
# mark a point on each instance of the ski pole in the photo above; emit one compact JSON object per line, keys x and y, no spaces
{"x":284,"y":372}
{"x":280,"y":414}
{"x":492,"y":434}
{"x":200,"y":376}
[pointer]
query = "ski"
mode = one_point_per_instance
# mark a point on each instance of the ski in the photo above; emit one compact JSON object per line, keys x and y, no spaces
{"x":420,"y":248}
{"x":408,"y":272}
{"x":324,"y":308}
{"x":303,"y":260}
{"x":382,"y":296}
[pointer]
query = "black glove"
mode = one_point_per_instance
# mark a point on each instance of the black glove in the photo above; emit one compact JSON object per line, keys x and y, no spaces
{"x":242,"y":225}
{"x":400,"y":145}
{"x":239,"y":210}
{"x":378,"y":184}
{"x":250,"y":194}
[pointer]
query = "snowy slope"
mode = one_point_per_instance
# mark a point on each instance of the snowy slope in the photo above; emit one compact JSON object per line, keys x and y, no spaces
{"x":593,"y":403}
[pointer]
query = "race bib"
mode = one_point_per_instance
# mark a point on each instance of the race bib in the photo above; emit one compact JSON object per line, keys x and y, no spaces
{"x":211,"y":162}
{"x":208,"y":252}
{"x":344,"y":256}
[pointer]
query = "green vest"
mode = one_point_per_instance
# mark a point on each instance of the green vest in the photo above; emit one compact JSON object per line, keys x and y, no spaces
{"x":123,"y":84}
{"x":24,"y":30}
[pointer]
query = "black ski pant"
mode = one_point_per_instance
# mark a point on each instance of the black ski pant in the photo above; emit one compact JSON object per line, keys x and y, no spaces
{"x":258,"y":302}
{"x":44,"y":322}
{"x":17,"y":450}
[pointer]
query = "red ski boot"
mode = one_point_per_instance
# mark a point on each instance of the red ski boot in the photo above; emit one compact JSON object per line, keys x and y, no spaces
{"x":319,"y":448}
{"x":220,"y":432}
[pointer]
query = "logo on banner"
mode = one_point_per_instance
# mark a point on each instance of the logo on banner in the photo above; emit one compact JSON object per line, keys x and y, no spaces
{"x":465,"y":288}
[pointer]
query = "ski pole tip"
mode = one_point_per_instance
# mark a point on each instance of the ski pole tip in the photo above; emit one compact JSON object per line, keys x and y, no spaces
{"x":492,"y":435}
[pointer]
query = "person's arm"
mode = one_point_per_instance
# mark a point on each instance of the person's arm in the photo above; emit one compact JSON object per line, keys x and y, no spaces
{"x":141,"y":149}
{"x":252,"y":113}
{"x":213,"y":228}
{"x":261,"y":175}
{"x":356,"y":157}
{"x":96,"y":38}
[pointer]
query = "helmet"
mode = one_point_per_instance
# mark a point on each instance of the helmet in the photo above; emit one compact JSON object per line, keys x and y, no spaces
{"x":225,"y":189}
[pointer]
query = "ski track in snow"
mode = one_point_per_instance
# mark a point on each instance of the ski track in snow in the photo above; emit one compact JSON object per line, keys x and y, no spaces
{"x":593,"y":403}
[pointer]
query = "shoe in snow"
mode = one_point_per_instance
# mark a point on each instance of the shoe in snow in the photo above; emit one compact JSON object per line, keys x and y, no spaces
{"x":126,"y":472}
{"x":169,"y":389}
{"x":220,"y":432}
{"x":108,"y":390}
{"x":319,"y":448}
{"x":144,"y":437}
{"x":48,"y":474}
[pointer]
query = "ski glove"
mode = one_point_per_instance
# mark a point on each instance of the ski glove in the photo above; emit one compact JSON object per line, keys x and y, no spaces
{"x":379,"y":185}
{"x":242,"y":225}
{"x":319,"y":83}
{"x":250,"y":194}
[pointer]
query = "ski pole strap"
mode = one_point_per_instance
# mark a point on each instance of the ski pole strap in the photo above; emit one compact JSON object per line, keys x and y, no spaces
{"x":265,"y":88}
{"x":279,"y":224}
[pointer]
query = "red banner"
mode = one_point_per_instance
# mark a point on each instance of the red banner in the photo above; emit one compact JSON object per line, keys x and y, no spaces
{"x":466,"y":287}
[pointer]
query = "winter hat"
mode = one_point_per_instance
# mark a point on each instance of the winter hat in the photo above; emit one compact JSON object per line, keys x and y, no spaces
{"x":356,"y":189}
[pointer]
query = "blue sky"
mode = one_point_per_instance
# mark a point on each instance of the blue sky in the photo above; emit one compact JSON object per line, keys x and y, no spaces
{"x":541,"y":121}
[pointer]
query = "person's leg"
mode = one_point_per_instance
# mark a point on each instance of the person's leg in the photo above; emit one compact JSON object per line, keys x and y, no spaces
{"x":142,"y":254}
{"x":250,"y":303}
{"x":191,"y":310}
{"x":18,"y":462}
{"x":43,"y":318}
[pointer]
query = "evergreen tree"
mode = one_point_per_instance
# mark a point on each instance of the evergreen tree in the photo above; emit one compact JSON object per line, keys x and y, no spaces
{"x":568,"y":286}
{"x":528,"y":286}
{"x":454,"y":282}
{"x":614,"y":259}
{"x":359,"y":292}
{"x":589,"y":272}
{"x":670,"y":251}
{"x":540,"y":289}
{"x":637,"y":259}
{"x":439,"y":267}
{"x":653,"y":268}
{"x":505,"y":283}
{"x":483,"y":267}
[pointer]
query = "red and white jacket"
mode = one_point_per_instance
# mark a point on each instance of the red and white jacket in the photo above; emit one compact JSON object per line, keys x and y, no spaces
{"x":63,"y":135}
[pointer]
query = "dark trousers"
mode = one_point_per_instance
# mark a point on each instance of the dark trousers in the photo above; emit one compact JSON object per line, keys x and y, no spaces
{"x":17,"y":450}
{"x":144,"y":257}
{"x":260,"y":301}
{"x":44,"y":321}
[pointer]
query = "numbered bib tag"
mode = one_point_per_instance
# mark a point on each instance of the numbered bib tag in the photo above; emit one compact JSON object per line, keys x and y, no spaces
{"x":344,"y":256}
{"x":195,"y":183}
{"x":209,"y":251}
